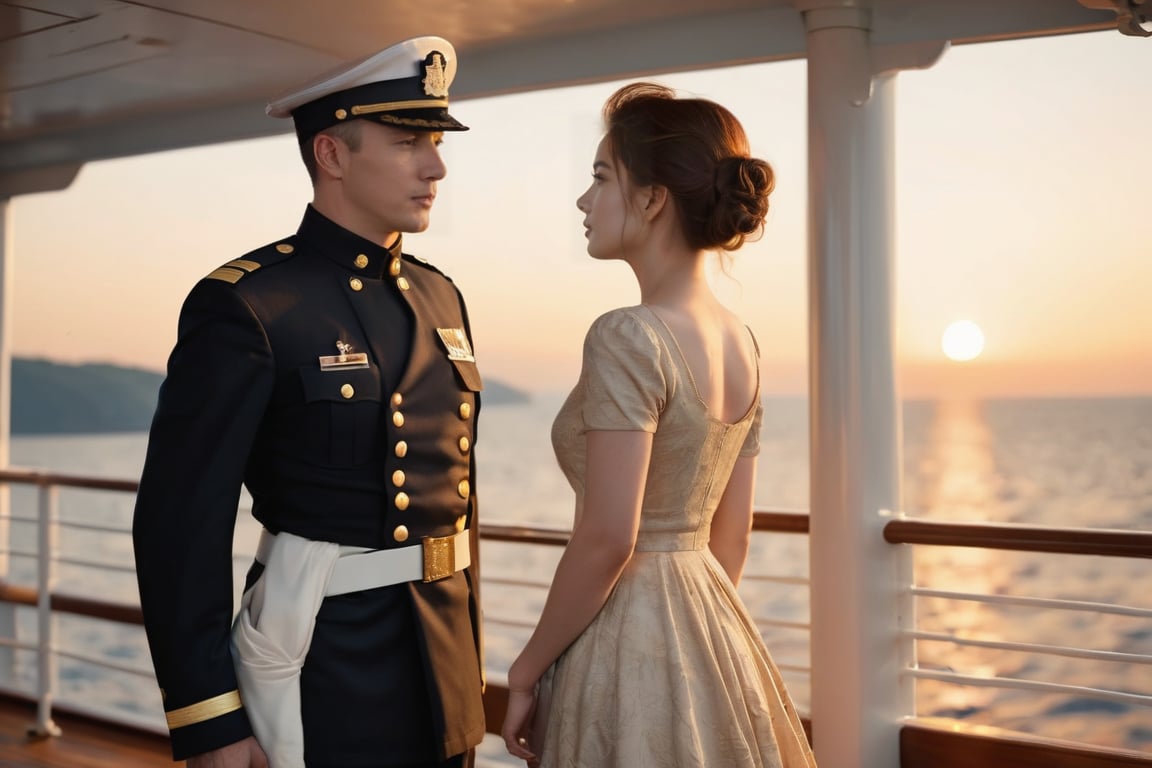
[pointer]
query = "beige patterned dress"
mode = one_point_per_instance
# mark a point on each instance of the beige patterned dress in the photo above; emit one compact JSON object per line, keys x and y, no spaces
{"x":672,"y":673}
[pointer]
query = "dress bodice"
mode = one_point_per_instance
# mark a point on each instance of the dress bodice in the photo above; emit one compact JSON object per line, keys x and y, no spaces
{"x":634,"y":377}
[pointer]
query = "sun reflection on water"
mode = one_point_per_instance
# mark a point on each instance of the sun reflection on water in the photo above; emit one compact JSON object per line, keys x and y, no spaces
{"x":960,"y":476}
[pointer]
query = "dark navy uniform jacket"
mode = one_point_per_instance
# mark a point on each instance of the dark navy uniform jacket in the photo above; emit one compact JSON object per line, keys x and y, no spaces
{"x":378,"y":455}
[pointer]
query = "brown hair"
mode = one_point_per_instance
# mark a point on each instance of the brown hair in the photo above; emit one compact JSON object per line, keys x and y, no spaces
{"x":348,"y":132}
{"x":698,"y":150}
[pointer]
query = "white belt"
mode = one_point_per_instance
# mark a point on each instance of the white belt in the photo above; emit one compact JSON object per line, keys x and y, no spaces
{"x":358,"y":568}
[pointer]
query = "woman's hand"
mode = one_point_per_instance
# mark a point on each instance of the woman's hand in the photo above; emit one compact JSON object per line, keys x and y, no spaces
{"x":518,"y":724}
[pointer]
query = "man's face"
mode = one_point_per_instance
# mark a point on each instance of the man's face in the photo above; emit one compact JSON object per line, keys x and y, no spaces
{"x":390,"y":181}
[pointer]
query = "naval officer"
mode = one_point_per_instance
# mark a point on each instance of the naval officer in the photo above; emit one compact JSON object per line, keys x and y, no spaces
{"x":332,"y":375}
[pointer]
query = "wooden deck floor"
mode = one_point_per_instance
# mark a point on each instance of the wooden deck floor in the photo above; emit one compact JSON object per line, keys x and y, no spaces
{"x":84,"y":743}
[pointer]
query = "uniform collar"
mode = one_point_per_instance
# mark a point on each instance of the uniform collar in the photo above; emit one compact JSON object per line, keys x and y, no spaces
{"x":348,"y":249}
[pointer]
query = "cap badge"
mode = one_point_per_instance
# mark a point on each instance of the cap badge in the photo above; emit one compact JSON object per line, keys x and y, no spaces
{"x":435,"y":84}
{"x":345,"y":360}
{"x":456,"y":342}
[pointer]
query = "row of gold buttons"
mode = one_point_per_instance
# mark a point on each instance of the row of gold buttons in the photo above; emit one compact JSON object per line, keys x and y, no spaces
{"x":400,"y":533}
{"x":464,"y":444}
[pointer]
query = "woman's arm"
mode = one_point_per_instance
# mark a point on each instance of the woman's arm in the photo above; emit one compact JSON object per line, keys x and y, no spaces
{"x":732,"y":523}
{"x":600,"y":547}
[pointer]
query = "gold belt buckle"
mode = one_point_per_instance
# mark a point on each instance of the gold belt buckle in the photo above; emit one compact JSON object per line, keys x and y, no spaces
{"x":439,"y":557}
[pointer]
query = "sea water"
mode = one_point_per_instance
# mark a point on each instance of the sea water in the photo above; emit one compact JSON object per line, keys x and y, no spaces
{"x":1069,"y":463}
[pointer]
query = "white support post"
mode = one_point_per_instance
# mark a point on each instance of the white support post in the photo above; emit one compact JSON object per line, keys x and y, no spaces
{"x":859,"y":603}
{"x":7,"y":293}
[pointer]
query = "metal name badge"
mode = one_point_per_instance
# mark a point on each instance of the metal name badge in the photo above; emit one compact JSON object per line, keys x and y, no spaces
{"x":345,"y":360}
{"x":456,"y":342}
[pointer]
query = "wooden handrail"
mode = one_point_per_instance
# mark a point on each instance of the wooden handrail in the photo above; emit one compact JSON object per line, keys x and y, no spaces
{"x":1022,"y":538}
{"x":524,"y":534}
{"x":42,"y":478}
{"x":762,"y":520}
{"x":780,"y":522}
{"x":78,"y":606}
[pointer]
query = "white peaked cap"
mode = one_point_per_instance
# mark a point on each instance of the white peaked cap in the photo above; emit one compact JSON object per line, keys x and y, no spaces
{"x":405,"y":84}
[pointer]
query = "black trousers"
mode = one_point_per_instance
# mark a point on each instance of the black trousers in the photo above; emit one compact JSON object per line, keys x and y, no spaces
{"x":452,"y":762}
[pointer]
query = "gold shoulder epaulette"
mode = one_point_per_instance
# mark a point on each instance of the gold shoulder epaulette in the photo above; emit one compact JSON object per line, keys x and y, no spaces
{"x":234,"y":270}
{"x":237,"y":268}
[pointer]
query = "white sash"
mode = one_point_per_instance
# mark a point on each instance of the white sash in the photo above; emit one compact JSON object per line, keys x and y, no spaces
{"x":271,"y":637}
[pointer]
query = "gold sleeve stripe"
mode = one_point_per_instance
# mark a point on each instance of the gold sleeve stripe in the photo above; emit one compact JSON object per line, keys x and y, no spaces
{"x":204,"y":710}
{"x":245,"y":264}
{"x":227,"y":274}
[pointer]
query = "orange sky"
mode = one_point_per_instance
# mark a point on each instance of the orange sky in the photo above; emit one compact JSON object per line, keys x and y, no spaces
{"x":1022,"y":188}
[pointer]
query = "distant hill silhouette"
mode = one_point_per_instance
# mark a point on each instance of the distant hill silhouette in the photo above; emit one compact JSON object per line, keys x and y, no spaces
{"x":58,"y":398}
{"x":55,"y":398}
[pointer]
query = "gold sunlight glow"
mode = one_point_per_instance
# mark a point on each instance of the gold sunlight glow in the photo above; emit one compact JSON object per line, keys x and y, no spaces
{"x":962,"y":340}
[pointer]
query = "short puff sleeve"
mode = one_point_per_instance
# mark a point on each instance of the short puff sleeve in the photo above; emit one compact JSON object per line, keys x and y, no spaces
{"x":625,"y":386}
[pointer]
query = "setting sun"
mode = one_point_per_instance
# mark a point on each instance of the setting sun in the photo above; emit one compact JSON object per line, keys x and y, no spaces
{"x":962,"y":340}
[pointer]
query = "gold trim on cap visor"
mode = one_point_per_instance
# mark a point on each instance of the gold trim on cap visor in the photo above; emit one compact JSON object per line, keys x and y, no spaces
{"x":389,"y":106}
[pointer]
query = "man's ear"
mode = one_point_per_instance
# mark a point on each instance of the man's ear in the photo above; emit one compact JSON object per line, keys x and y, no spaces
{"x":329,"y":153}
{"x":655,"y":198}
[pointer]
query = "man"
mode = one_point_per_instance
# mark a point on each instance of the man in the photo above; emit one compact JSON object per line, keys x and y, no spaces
{"x":333,"y":376}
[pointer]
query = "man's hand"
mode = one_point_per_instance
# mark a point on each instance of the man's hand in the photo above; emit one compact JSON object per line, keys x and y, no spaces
{"x":242,"y":754}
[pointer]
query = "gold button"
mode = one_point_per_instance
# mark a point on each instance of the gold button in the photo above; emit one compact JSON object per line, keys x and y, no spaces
{"x":356,"y":283}
{"x":464,"y":445}
{"x":401,"y":449}
{"x":285,"y":248}
{"x":401,"y":533}
{"x":394,"y":267}
{"x":462,"y":489}
{"x":465,"y":410}
{"x":397,"y":398}
{"x":398,"y":478}
{"x":401,"y":501}
{"x":398,"y":419}
{"x":347,"y":391}
{"x":461,"y":522}
{"x":361,"y":261}
{"x":402,"y":282}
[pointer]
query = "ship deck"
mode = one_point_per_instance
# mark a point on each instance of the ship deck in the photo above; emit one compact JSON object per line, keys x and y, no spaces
{"x":83,"y":742}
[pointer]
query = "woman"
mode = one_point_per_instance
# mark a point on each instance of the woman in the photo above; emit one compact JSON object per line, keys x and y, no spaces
{"x":644,"y":654}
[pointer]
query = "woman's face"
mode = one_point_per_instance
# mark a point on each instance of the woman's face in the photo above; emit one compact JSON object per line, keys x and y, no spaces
{"x":609,"y":225}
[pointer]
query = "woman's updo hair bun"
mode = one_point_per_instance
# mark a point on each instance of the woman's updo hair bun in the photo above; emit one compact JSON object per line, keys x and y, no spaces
{"x":742,"y":187}
{"x":698,"y":150}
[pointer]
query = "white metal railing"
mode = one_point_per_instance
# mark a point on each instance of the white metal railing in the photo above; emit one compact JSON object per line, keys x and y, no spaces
{"x":1031,"y":685}
{"x":1051,"y":650}
{"x":1034,"y":602}
{"x":1046,"y":649}
{"x":45,"y":582}
{"x":47,"y":558}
